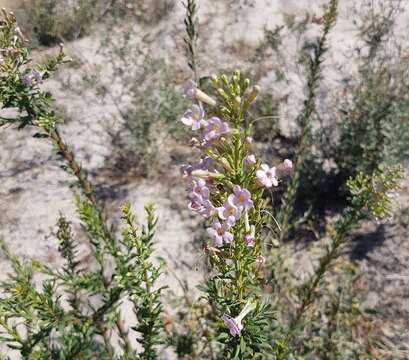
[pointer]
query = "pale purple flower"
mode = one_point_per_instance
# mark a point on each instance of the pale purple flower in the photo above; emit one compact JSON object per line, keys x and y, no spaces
{"x":204,"y":208}
{"x":186,"y":170}
{"x":249,"y":140}
{"x":229,"y":210}
{"x":189,"y":90}
{"x":198,"y":190}
{"x":27,"y":80}
{"x":204,"y":163}
{"x":30,"y":79}
{"x":220,"y":233}
{"x":214,"y":128}
{"x":193,"y":117}
{"x":241,"y":197}
{"x":207,"y":209}
{"x":249,"y":239}
{"x":36,"y":76}
{"x":234,"y":325}
{"x":287,"y":164}
{"x":250,"y":159}
{"x":1,"y":61}
{"x":267,"y":176}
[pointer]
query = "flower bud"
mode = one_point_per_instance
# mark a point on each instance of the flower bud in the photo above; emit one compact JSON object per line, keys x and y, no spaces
{"x":207,"y":174}
{"x":253,"y":94}
{"x":246,"y":84}
{"x":226,"y":165}
{"x":288,"y":164}
{"x":222,"y":93}
{"x":250,"y":160}
{"x":201,"y":96}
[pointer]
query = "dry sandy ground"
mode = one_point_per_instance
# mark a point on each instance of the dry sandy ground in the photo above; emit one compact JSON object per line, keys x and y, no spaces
{"x":33,"y":189}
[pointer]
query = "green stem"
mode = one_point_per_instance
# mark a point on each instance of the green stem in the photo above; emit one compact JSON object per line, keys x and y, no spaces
{"x":304,"y":121}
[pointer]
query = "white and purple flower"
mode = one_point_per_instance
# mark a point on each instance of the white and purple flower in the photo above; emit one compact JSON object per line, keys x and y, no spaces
{"x":34,"y":77}
{"x":220,"y":233}
{"x":198,"y":190}
{"x":250,"y":160}
{"x":189,"y":90}
{"x":193,"y":117}
{"x":241,"y":197}
{"x":249,"y":239}
{"x":287,"y":164}
{"x":234,"y":325}
{"x":204,"y":163}
{"x":230,"y":210}
{"x":204,"y":208}
{"x":27,"y":80}
{"x":267,"y":176}
{"x":214,"y":128}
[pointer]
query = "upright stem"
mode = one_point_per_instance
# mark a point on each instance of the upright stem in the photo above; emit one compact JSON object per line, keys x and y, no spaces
{"x":348,"y":221}
{"x":88,"y":191}
{"x":304,"y":121}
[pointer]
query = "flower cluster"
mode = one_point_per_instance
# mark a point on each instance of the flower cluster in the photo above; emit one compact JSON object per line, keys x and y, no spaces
{"x":226,"y":187}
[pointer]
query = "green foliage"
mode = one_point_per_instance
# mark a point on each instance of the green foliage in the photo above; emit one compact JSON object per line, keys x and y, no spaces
{"x":63,"y":319}
{"x":191,"y":25}
{"x":304,"y":120}
{"x":371,"y":129}
{"x":146,"y":298}
{"x":332,"y":329}
{"x":372,"y":193}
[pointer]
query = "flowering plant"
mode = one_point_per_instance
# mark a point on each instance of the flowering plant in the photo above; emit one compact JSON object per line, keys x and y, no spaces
{"x":228,"y":188}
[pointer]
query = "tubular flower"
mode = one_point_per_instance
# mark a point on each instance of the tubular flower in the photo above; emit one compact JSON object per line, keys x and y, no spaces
{"x":249,"y":239}
{"x":241,"y":197}
{"x":229,"y":210}
{"x":220,"y":233}
{"x":193,"y":117}
{"x":250,"y":160}
{"x":34,"y":77}
{"x":198,"y":190}
{"x":186,"y":170}
{"x":204,"y":208}
{"x":214,"y":128}
{"x":27,"y":80}
{"x":234,"y":325}
{"x":204,"y":163}
{"x":287,"y":164}
{"x":267,"y":176}
{"x":189,"y":90}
